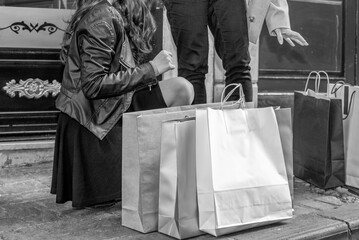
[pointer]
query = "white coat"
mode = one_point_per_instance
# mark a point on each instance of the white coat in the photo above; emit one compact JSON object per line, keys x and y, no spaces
{"x":274,"y":12}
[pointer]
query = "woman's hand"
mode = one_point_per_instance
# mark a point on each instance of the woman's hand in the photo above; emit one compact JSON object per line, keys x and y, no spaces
{"x":163,"y":61}
{"x":289,"y":35}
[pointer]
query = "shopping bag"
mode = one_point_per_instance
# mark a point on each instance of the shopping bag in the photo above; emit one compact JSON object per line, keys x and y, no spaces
{"x":284,"y":120}
{"x":241,"y":175}
{"x":350,"y":110}
{"x":340,"y":90}
{"x":141,"y":162}
{"x":352,"y":139}
{"x":178,"y":211}
{"x":345,"y":92}
{"x":318,"y":148}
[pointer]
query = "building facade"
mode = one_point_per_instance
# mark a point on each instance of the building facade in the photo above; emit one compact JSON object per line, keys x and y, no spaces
{"x":30,"y":70}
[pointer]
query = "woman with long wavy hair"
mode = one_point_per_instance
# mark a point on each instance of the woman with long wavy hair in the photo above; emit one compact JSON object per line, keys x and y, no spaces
{"x":106,"y":73}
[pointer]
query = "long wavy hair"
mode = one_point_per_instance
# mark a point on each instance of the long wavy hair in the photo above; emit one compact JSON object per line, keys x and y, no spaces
{"x":138,"y":21}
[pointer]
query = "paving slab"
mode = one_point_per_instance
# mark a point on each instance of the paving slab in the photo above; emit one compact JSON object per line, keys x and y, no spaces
{"x":28,"y":211}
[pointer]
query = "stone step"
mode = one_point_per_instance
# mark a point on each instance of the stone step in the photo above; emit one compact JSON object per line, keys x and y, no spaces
{"x":28,"y":211}
{"x":25,"y":152}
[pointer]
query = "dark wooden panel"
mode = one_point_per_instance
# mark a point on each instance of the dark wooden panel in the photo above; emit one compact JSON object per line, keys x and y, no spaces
{"x":26,"y":71}
{"x":20,"y":118}
{"x":289,"y":83}
{"x":27,"y":125}
{"x":29,"y":54}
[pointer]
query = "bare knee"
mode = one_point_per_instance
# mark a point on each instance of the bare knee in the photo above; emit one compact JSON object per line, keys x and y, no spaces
{"x":185,"y":91}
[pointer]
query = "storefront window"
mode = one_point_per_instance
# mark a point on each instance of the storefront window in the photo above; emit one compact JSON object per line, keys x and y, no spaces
{"x":329,"y":28}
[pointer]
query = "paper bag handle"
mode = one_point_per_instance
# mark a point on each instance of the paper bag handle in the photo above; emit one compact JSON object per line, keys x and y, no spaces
{"x":352,"y":96}
{"x":241,"y":101}
{"x":319,"y":80}
{"x":315,"y":83}
{"x":336,"y":88}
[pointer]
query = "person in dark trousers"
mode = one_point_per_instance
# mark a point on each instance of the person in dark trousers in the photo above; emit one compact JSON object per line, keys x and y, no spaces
{"x":104,"y":77}
{"x":228,"y":21}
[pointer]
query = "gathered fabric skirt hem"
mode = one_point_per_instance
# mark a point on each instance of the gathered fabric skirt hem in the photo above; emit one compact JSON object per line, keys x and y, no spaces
{"x":86,"y":170}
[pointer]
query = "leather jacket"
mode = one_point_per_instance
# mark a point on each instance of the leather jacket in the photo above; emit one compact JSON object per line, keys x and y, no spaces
{"x":100,"y":75}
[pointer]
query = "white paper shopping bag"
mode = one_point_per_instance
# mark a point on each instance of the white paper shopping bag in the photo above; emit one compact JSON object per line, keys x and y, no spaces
{"x":342,"y":91}
{"x":241,"y":174}
{"x":141,"y":163}
{"x":284,"y":120}
{"x":349,"y":96}
{"x":178,"y":211}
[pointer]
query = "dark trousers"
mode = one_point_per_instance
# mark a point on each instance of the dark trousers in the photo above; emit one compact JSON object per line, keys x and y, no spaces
{"x":227,"y":21}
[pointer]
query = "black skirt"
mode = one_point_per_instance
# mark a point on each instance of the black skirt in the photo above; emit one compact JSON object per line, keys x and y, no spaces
{"x":87,"y":170}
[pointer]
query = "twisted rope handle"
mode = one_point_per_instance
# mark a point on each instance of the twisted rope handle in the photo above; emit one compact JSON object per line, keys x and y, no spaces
{"x":241,"y":101}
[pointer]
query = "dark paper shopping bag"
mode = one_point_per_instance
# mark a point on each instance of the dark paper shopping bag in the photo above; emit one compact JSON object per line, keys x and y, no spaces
{"x":318,"y":148}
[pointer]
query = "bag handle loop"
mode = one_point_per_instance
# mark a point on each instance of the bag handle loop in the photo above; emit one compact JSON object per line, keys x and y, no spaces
{"x":319,"y":80}
{"x":315,"y":83}
{"x":241,"y":101}
{"x":352,"y":96}
{"x":336,"y":88}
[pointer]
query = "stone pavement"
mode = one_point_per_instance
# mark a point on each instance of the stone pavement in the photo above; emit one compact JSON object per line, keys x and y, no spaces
{"x":28,"y":211}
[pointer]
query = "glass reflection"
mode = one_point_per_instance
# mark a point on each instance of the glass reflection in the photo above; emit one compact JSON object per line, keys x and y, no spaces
{"x":58,"y":4}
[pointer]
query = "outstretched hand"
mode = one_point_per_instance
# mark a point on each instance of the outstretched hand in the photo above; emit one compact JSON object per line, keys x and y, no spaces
{"x":290,"y":36}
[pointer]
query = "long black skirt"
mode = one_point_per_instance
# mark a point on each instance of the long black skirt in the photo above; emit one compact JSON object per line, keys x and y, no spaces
{"x":87,"y":170}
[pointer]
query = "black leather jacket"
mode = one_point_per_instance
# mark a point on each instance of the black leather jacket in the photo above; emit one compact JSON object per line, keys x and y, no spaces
{"x":100,"y":75}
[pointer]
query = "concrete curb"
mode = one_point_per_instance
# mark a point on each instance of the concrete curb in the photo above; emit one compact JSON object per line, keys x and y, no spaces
{"x":24,"y":153}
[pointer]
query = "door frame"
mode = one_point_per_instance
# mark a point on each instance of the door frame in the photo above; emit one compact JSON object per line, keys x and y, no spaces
{"x":350,"y":42}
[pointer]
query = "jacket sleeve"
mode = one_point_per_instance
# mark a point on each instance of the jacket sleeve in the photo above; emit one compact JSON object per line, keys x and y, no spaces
{"x":97,"y":50}
{"x":277,"y":16}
